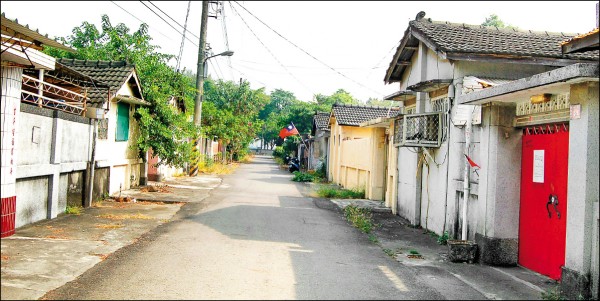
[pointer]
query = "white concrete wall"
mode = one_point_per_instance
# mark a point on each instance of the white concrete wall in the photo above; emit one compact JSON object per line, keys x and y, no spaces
{"x":408,"y":186}
{"x":120,"y":156}
{"x":582,"y":206}
{"x":53,"y":145}
{"x":32,"y":201}
{"x":442,"y":191}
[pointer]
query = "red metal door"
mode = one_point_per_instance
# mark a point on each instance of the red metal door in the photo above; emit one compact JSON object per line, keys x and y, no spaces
{"x":543,"y":207}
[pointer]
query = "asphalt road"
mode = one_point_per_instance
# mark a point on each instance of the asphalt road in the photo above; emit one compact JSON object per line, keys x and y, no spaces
{"x":255,"y":237}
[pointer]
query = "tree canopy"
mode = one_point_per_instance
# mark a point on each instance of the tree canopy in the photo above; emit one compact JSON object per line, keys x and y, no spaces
{"x":232,"y":112}
{"x":494,"y":20}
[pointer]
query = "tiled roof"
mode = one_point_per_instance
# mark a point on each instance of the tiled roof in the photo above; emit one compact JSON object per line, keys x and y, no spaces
{"x":353,"y":115}
{"x":321,"y":120}
{"x":112,"y":73}
{"x":452,"y":37}
{"x":476,"y":42}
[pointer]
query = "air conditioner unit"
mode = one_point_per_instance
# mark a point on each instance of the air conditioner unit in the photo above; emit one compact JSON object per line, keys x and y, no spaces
{"x":425,"y":130}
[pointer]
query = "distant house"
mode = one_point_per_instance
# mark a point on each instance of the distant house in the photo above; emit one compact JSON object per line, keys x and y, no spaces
{"x":462,"y":160}
{"x":319,"y":141}
{"x":158,"y":173}
{"x":117,"y":155}
{"x":356,"y":153}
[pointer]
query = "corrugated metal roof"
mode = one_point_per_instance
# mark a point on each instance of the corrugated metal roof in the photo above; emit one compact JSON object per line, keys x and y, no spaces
{"x":13,"y":28}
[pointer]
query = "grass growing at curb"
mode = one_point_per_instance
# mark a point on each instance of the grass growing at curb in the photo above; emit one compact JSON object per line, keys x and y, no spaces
{"x":302,"y":177}
{"x":552,"y":294}
{"x":360,"y":218}
{"x":73,"y":210}
{"x":326,"y":191}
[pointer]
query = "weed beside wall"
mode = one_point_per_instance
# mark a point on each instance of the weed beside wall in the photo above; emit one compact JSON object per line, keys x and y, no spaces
{"x":361,"y":218}
{"x":340,"y":193}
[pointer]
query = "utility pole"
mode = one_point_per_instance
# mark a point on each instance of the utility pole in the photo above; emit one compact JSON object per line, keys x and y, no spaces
{"x":200,"y":86}
{"x":200,"y":72}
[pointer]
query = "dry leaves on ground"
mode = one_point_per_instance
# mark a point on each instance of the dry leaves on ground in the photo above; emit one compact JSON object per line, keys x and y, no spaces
{"x":125,"y":216}
{"x":109,"y":226}
{"x":57,"y":233}
{"x":157,"y":188}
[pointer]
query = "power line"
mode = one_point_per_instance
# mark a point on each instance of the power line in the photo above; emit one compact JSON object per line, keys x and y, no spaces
{"x":183,"y":38}
{"x":113,"y":2}
{"x":388,"y":53}
{"x":167,"y":22}
{"x":273,"y":55}
{"x":360,"y":84}
{"x":184,"y":27}
{"x":224,"y":27}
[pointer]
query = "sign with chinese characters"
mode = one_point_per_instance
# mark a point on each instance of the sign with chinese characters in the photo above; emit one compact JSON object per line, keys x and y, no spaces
{"x":538,"y":166}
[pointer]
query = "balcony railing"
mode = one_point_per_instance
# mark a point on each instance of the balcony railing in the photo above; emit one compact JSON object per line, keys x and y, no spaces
{"x":52,"y":96}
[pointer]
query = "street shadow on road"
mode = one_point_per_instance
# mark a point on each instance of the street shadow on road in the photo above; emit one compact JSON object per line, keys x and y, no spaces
{"x":318,"y":246}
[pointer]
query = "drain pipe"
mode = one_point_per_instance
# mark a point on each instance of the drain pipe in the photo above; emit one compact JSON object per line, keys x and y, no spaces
{"x":88,"y":201}
{"x":468,"y":127}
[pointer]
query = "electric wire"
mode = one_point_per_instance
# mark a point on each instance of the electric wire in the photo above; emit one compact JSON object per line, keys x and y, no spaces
{"x":167,"y":22}
{"x":343,"y":75}
{"x":183,"y":38}
{"x":184,"y":27}
{"x":226,"y":39}
{"x":166,"y":36}
{"x":270,"y":52}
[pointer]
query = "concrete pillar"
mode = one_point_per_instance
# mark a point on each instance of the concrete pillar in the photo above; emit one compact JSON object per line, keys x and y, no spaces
{"x":11,"y":78}
{"x":499,"y":187}
{"x":580,"y":272}
{"x":55,"y":154}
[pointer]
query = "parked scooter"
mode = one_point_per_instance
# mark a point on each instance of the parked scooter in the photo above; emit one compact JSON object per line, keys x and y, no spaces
{"x":294,"y":164}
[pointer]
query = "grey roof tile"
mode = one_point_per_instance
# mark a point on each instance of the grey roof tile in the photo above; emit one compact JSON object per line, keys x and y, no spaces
{"x":112,"y":73}
{"x":321,"y":120}
{"x":354,"y":115}
{"x":453,"y":37}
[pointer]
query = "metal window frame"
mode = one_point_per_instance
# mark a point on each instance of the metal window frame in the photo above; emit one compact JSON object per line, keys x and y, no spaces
{"x":401,"y":124}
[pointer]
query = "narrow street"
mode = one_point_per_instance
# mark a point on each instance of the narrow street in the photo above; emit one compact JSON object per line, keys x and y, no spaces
{"x":255,"y":237}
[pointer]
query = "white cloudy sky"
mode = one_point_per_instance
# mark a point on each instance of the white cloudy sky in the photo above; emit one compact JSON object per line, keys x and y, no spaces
{"x":349,"y":44}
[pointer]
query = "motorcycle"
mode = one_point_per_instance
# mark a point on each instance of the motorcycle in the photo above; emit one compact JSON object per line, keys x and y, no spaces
{"x":294,"y":164}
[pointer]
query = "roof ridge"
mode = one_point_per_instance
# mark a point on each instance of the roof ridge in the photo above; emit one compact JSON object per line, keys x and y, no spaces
{"x":494,"y":28}
{"x":96,"y":63}
{"x":349,"y":105}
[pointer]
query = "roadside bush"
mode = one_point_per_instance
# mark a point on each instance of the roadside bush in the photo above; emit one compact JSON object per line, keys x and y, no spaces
{"x":340,"y":193}
{"x":302,"y":177}
{"x":278,"y":152}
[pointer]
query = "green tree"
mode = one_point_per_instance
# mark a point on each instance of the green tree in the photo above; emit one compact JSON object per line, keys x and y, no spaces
{"x":494,"y":20}
{"x":325,"y":102}
{"x":230,"y":112}
{"x":382,"y":103}
{"x":162,"y":128}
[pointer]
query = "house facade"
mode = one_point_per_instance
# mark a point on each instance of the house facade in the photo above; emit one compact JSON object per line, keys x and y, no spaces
{"x":47,"y":137}
{"x":116,"y":150}
{"x":456,"y":159}
{"x":558,"y":172}
{"x":355,"y":153}
{"x":319,"y":141}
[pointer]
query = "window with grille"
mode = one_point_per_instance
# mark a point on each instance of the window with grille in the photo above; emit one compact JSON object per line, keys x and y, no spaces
{"x":419,"y":130}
